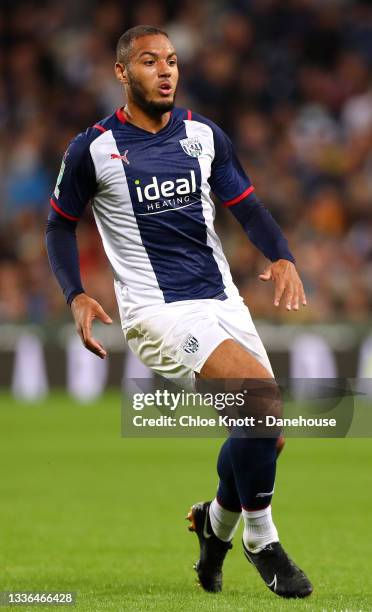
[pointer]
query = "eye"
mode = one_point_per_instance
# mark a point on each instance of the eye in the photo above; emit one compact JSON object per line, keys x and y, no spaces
{"x":172,"y":62}
{"x":149,"y":62}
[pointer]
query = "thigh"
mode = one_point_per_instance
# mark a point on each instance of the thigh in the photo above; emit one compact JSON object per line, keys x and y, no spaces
{"x":230,"y":360}
{"x":231,"y":368}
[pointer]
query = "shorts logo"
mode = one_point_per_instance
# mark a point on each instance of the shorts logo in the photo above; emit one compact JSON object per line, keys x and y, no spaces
{"x":192,"y":146}
{"x":191,"y":345}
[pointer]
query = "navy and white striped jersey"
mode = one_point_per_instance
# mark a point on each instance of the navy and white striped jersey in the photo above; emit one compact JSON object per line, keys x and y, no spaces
{"x":150,"y":195}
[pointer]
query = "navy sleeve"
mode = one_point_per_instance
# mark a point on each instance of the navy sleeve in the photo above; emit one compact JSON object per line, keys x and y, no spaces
{"x":262,"y":229}
{"x":76,"y":182}
{"x":63,"y":255}
{"x":76,"y":185}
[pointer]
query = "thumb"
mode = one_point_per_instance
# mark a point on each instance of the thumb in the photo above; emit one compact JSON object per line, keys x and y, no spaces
{"x":103,"y":316}
{"x":266,"y":274}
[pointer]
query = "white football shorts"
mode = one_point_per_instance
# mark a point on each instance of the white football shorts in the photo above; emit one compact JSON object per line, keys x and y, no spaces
{"x":176,"y":339}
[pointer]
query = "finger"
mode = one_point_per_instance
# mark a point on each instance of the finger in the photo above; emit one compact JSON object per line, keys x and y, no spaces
{"x":95,"y":347}
{"x":89,"y":342}
{"x":279,"y":290}
{"x":289,"y":298}
{"x":266,"y":275}
{"x":296,"y":298}
{"x":103,"y":316}
{"x":303,"y":296}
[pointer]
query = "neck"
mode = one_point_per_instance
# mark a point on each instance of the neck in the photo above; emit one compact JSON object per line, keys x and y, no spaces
{"x":139,"y":117}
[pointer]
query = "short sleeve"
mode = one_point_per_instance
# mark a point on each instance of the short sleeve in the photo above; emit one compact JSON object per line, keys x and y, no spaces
{"x":228,"y":180}
{"x":76,"y":182}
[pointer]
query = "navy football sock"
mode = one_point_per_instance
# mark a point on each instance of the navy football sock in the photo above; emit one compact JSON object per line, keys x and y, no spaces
{"x":227,"y":494}
{"x":246,"y":467}
{"x":253,"y":463}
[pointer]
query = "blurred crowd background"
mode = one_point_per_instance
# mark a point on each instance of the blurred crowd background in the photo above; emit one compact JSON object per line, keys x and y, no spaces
{"x":290,"y":82}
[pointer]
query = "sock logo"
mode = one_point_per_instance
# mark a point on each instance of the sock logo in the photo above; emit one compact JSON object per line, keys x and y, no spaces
{"x":265,"y":494}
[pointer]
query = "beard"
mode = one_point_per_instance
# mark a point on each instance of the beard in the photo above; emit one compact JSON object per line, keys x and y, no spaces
{"x":154,"y":108}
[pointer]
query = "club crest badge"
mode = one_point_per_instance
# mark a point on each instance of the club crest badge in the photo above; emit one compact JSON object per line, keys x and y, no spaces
{"x":191,"y":345}
{"x":191,"y":146}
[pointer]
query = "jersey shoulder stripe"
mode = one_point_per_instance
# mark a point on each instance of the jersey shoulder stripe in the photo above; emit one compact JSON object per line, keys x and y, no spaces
{"x":99,"y":127}
{"x":240,"y":197}
{"x":59,"y":210}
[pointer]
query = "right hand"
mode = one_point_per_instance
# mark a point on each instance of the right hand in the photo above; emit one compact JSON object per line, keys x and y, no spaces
{"x":85,"y":310}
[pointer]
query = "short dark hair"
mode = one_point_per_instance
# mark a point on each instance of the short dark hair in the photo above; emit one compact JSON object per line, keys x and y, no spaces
{"x":124,"y":44}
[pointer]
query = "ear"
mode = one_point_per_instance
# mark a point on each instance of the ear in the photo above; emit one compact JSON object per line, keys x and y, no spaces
{"x":121,"y":73}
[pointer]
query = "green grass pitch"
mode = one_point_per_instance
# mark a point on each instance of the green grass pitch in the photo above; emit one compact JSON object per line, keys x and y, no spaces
{"x":83,"y":509}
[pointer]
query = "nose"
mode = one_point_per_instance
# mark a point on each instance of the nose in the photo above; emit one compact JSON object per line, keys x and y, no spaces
{"x":164,"y":69}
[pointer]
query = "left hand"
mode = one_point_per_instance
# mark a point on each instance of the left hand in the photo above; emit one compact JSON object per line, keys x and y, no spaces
{"x":287,"y":283}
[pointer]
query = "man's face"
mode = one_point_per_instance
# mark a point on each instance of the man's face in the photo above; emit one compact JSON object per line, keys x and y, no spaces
{"x":152,"y":74}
